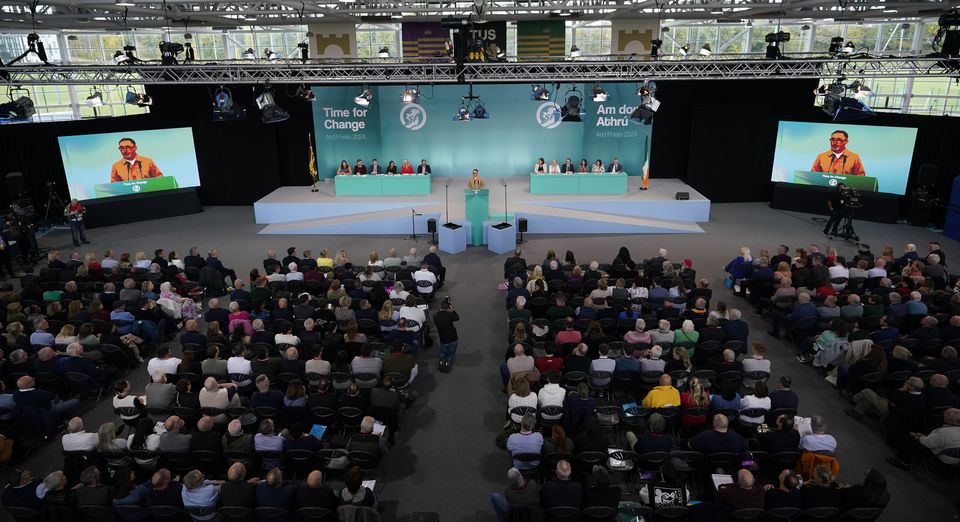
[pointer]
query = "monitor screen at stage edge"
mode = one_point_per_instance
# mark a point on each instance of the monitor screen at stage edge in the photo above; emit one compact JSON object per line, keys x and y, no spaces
{"x":868,"y":158}
{"x":125,"y":163}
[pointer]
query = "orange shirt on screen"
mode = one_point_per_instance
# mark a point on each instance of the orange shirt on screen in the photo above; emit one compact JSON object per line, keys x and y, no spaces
{"x":142,"y":168}
{"x":847,"y":163}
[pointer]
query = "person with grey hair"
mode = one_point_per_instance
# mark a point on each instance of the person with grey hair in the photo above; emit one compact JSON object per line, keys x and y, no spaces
{"x":819,"y":441}
{"x":174,"y":440}
{"x":562,"y":491}
{"x":76,"y":438}
{"x":735,"y":328}
{"x":653,"y":362}
{"x":59,"y":502}
{"x":292,"y":273}
{"x":40,"y":335}
{"x":655,"y":439}
{"x":663,"y":333}
{"x":526,"y":441}
{"x":199,"y":492}
{"x":914,"y":444}
{"x":519,"y":492}
{"x":947,"y":361}
{"x":893,"y":411}
{"x":366,"y":440}
{"x":93,"y":492}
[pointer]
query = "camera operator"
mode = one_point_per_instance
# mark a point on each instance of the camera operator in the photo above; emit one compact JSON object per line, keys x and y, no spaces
{"x":5,"y":258}
{"x":837,"y":205}
{"x":447,"y":332}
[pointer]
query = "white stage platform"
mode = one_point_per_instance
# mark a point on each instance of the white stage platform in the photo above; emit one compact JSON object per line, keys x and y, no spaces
{"x":296,"y":210}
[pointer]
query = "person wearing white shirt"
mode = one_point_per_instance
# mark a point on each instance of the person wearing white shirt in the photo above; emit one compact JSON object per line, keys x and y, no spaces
{"x":399,"y":292}
{"x":522,"y":396}
{"x":878,"y":269}
{"x":239,"y":364}
{"x":411,"y":312}
{"x":286,"y":338}
{"x":755,"y":363}
{"x":424,"y":274}
{"x":276,"y":276}
{"x":758,"y":399}
{"x":554,"y":167}
{"x":552,"y":394}
{"x":108,"y":261}
{"x":163,"y":361}
{"x":836,"y":271}
{"x":76,"y":439}
{"x":293,"y":274}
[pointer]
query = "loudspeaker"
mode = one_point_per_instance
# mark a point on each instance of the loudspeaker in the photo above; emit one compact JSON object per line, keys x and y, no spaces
{"x":683,"y":196}
{"x":431,"y":226}
{"x":522,"y":224}
{"x":927,"y":175}
{"x":15,"y":185}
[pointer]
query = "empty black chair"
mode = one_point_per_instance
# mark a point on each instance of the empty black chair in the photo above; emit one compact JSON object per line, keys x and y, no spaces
{"x":562,"y":514}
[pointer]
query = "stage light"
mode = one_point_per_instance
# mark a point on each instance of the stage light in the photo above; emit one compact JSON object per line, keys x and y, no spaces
{"x":411,"y":95}
{"x":946,"y":43}
{"x":540,"y":93}
{"x":95,"y":99}
{"x":599,"y":94}
{"x":840,"y":107}
{"x":126,"y":56}
{"x":270,"y":112}
{"x":480,"y":112}
{"x":575,"y":52}
{"x":270,"y":55}
{"x":848,"y":47}
{"x":705,"y":50}
{"x":137,"y":98}
{"x":224,"y":107}
{"x":648,"y":105}
{"x":20,"y":108}
{"x":383,"y":53}
{"x":836,"y":43}
{"x":305,"y":93}
{"x":304,"y":50}
{"x":249,"y":54}
{"x":463,"y":114}
{"x":169,"y":52}
{"x":119,"y":57}
{"x":571,"y":110}
{"x":655,"y":46}
{"x":777,"y":37}
{"x":861,"y":92}
{"x":364,"y":98}
{"x":684,"y":50}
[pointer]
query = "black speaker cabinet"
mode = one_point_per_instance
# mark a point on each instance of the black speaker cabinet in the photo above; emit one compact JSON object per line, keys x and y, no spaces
{"x":683,"y":196}
{"x":522,"y":224}
{"x":431,"y":226}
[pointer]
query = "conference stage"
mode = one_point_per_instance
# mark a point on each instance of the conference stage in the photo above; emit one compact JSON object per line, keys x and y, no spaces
{"x":296,"y":210}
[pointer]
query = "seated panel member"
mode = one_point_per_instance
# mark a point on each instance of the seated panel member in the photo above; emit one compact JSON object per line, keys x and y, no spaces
{"x":568,"y":167}
{"x":392,"y":168}
{"x":359,"y":168}
{"x":344,"y":169}
{"x":424,"y":168}
{"x":616,"y":166}
{"x":584,"y":166}
{"x":540,"y":167}
{"x":406,"y":167}
{"x":598,"y":167}
{"x":554,"y":167}
{"x":476,"y":182}
{"x":375,"y":167}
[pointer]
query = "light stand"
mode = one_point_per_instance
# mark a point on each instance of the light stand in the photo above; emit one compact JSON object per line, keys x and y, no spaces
{"x":504,"y":182}
{"x":53,"y":201}
{"x":446,"y":203}
{"x":413,"y":225}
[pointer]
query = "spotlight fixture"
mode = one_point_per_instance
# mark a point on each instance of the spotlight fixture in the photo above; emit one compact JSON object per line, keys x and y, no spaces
{"x":119,"y":57}
{"x":225,"y":108}
{"x":861,"y":92}
{"x":270,"y":55}
{"x":410,"y":95}
{"x":140,"y":99}
{"x":655,"y":46}
{"x":305,"y":93}
{"x":126,"y":56}
{"x":189,"y":55}
{"x":684,"y":50}
{"x":95,"y":99}
{"x":575,"y":52}
{"x":705,"y":50}
{"x":471,"y":108}
{"x":572,"y":109}
{"x":270,"y":112}
{"x":169,"y":52}
{"x":599,"y":94}
{"x":384,"y":52}
{"x":18,"y":108}
{"x":463,"y":114}
{"x":480,"y":112}
{"x":836,"y":43}
{"x":249,"y":54}
{"x":773,"y":44}
{"x":840,"y":107}
{"x":304,"y":50}
{"x":540,"y":93}
{"x":364,"y":98}
{"x":848,"y":48}
{"x":946,"y":42}
{"x":649,"y":104}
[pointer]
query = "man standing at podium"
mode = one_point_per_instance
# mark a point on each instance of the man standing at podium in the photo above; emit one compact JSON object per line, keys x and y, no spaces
{"x":133,"y":166}
{"x":476,"y":182}
{"x":839,"y":160}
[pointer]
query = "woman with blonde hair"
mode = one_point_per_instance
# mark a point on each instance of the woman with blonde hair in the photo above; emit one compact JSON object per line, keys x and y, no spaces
{"x":696,"y":397}
{"x":67,"y":335}
{"x":387,"y":314}
{"x":90,"y":261}
{"x":537,"y":276}
{"x":141,"y":262}
{"x":15,"y":313}
{"x":341,"y":258}
{"x":519,"y":335}
{"x":107,"y":438}
{"x":374,"y":259}
{"x":522,"y":396}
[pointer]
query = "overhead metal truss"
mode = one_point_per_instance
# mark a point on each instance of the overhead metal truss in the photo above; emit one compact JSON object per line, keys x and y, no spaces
{"x":425,"y":73}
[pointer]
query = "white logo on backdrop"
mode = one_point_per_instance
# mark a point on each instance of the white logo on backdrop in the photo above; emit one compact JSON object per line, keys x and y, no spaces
{"x":833,"y":182}
{"x":413,"y":116}
{"x":548,"y":115}
{"x":136,"y":188}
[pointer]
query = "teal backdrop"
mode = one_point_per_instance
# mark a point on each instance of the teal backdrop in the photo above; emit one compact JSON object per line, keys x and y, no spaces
{"x":518,"y":131}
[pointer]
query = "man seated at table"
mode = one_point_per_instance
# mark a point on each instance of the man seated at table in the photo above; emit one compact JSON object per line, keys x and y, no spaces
{"x":616,"y":166}
{"x":359,"y":168}
{"x":568,"y":167}
{"x":374,"y":167}
{"x":476,"y":182}
{"x":423,"y":168}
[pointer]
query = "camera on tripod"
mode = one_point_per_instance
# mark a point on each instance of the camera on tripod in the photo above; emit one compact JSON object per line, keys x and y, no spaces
{"x":851,"y":197}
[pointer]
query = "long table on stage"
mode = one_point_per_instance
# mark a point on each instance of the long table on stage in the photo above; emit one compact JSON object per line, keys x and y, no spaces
{"x":587,"y":183}
{"x":383,"y":185}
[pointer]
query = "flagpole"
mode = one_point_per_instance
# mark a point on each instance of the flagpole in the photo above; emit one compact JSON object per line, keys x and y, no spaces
{"x":312,"y":163}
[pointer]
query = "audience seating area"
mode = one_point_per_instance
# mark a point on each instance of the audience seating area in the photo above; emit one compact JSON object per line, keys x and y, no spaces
{"x":276,"y":399}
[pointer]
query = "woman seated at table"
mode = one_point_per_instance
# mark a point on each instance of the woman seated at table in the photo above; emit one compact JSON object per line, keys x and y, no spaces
{"x":540,"y":167}
{"x":344,"y":169}
{"x":598,"y":167}
{"x":554,"y":167}
{"x":391,"y":167}
{"x":406,"y":168}
{"x":584,"y":166}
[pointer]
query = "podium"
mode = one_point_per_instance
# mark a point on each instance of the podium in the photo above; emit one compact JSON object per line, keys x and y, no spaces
{"x":826,"y":179}
{"x":136,"y":186}
{"x":478,"y":211}
{"x":452,"y":237}
{"x":501,"y":238}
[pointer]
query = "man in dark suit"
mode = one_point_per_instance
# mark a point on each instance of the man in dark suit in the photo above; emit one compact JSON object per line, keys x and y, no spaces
{"x":783,"y":396}
{"x":307,"y":263}
{"x":736,"y":329}
{"x":516,"y":259}
{"x":159,"y":259}
{"x":270,"y":261}
{"x":433,"y":260}
{"x":215,"y":313}
{"x":205,"y":438}
{"x":375,"y":167}
{"x":568,"y":167}
{"x":76,"y":362}
{"x":784,"y":438}
{"x":291,"y":363}
{"x":163,"y":491}
{"x":291,"y":258}
{"x":194,"y":260}
{"x":719,"y":439}
{"x":563,"y":491}
{"x":927,"y":330}
{"x":313,"y":493}
{"x":272,"y":492}
{"x":237,"y":491}
{"x":191,"y":335}
{"x":423,"y":168}
{"x":93,"y":492}
{"x":616,"y":166}
{"x":28,"y":395}
{"x":216,"y":264}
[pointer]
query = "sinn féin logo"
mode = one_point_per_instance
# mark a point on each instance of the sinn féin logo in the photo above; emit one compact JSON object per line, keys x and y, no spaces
{"x":413,"y":116}
{"x":136,"y":188}
{"x":548,"y":115}
{"x":833,"y":182}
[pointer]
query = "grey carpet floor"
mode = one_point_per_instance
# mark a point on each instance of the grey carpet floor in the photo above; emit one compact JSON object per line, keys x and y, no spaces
{"x":445,"y":459}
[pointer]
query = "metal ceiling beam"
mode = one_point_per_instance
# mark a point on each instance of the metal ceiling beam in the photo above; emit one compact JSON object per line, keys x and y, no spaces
{"x":425,"y":73}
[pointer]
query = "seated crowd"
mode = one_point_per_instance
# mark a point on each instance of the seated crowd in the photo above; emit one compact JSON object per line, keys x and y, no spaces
{"x":292,"y":387}
{"x":627,"y":370}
